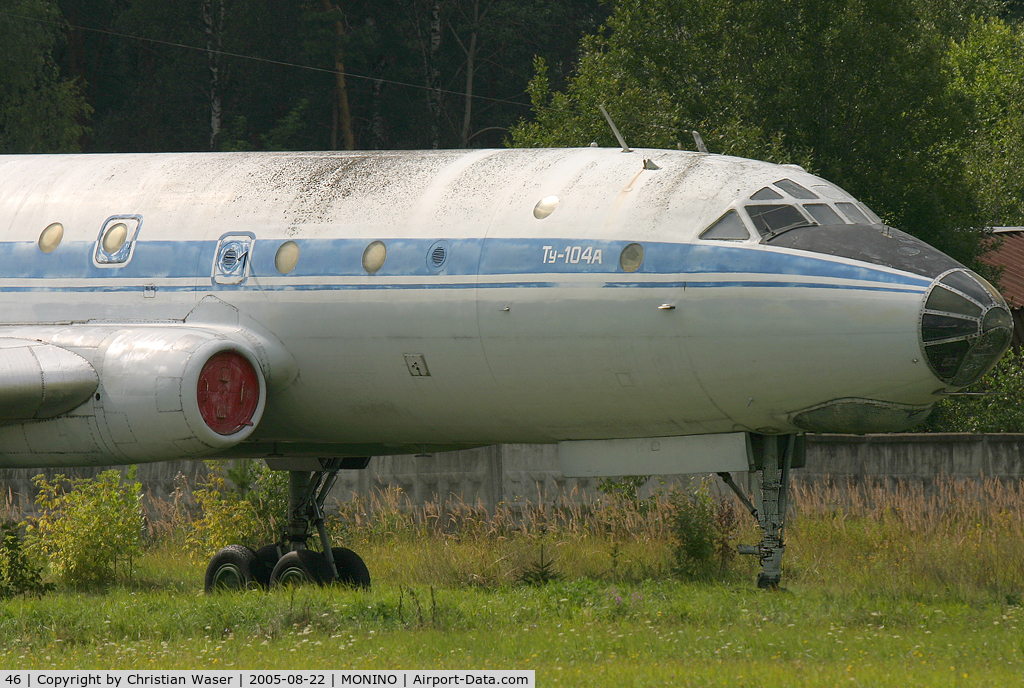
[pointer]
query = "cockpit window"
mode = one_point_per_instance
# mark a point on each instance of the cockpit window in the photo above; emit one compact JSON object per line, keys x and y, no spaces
{"x":766,"y":194}
{"x":772,"y":219}
{"x":871,"y":215}
{"x":794,"y":189}
{"x":829,"y":191}
{"x":823,"y":214}
{"x":853,"y":212}
{"x":728,"y":228}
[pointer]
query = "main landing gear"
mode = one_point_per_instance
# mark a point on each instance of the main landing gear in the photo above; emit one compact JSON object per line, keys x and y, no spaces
{"x":289,"y":562}
{"x":772,"y":457}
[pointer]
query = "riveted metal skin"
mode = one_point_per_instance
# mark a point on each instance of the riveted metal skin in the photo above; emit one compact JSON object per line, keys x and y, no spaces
{"x":146,"y":406}
{"x":39,"y":381}
{"x":530,"y":327}
{"x":287,"y":306}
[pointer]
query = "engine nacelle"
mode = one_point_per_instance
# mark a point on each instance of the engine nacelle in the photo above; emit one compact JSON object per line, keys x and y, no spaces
{"x":164,"y":392}
{"x":39,"y":380}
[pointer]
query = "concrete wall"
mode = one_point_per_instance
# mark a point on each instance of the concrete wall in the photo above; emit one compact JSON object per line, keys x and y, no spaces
{"x":495,"y":474}
{"x":506,"y":473}
{"x":17,"y":492}
{"x":914,"y":458}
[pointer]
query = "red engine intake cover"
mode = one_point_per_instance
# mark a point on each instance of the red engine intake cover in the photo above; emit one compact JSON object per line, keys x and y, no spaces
{"x":229,"y":391}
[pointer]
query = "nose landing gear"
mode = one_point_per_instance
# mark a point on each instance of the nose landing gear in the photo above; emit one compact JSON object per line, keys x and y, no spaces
{"x":290,"y":562}
{"x":772,"y":457}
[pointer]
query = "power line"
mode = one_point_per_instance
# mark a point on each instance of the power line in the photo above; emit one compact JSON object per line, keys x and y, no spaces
{"x":295,"y":65}
{"x":253,"y":58}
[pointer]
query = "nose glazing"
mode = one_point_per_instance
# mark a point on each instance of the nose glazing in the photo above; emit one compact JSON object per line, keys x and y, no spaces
{"x":965,"y":327}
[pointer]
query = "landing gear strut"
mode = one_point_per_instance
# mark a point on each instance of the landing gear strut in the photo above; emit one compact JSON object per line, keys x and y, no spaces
{"x":772,"y":457}
{"x":289,"y":562}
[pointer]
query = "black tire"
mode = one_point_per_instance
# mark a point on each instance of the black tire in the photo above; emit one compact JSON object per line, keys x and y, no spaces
{"x":230,"y":569}
{"x":351,"y":569}
{"x":266,"y":559}
{"x":301,"y":566}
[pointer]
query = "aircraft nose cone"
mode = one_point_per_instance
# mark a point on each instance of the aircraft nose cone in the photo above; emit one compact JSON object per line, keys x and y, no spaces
{"x":965,"y":327}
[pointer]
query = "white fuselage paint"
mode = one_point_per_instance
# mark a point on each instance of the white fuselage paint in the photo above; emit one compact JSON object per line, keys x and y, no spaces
{"x":531,"y":331}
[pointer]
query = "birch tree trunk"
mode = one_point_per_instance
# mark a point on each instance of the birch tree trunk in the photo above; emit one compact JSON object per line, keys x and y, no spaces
{"x":378,"y":127}
{"x":434,"y":76}
{"x":213,"y":25}
{"x":341,"y":121}
{"x":470,"y":50}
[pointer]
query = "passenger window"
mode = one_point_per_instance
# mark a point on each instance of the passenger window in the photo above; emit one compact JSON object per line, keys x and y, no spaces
{"x":853,"y":212}
{"x":766,"y":194}
{"x":729,"y":227}
{"x":823,"y":214}
{"x":116,"y":242}
{"x":795,"y":190}
{"x":772,"y":219}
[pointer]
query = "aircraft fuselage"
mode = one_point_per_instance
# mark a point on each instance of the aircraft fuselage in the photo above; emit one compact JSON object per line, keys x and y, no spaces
{"x":395,"y":301}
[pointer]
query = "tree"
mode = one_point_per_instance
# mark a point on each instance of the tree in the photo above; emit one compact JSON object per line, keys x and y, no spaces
{"x":341,"y":113}
{"x":991,"y":405}
{"x":257,"y":74}
{"x":987,"y":69}
{"x":169,"y":76}
{"x":452,"y":73}
{"x":40,"y":111}
{"x":854,"y":90}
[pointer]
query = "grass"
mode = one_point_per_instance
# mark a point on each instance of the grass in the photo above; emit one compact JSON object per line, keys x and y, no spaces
{"x":885,"y":586}
{"x":579,"y":633}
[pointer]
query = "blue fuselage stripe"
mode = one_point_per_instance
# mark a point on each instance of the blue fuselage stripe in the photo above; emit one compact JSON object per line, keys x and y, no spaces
{"x":23,"y":267}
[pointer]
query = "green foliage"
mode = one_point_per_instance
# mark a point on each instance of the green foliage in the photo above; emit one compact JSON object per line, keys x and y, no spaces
{"x":406,"y":74}
{"x":40,"y":111}
{"x":579,"y":633}
{"x":251,"y":513}
{"x":854,"y":91}
{"x":254,"y":482}
{"x":986,"y":69}
{"x":18,"y":574}
{"x":540,"y":572}
{"x":286,"y":134}
{"x":693,"y":532}
{"x":91,"y":532}
{"x":993,"y":404}
{"x":227,"y":519}
{"x":626,"y":487}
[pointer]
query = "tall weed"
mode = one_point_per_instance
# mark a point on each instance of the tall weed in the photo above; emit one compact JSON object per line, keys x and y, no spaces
{"x":18,"y":574}
{"x":961,"y":536}
{"x":252,"y":512}
{"x":89,"y":529}
{"x":694,"y":535}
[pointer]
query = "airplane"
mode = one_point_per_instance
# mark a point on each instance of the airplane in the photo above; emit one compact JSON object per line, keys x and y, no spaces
{"x":650,"y":311}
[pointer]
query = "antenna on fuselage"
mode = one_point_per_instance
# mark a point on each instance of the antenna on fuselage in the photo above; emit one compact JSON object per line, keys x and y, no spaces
{"x":699,"y":140}
{"x":615,"y":130}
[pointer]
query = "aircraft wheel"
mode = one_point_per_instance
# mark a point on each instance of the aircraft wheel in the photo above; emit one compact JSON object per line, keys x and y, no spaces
{"x":230,"y":569}
{"x":351,"y":569}
{"x":266,"y":560}
{"x":301,"y":567}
